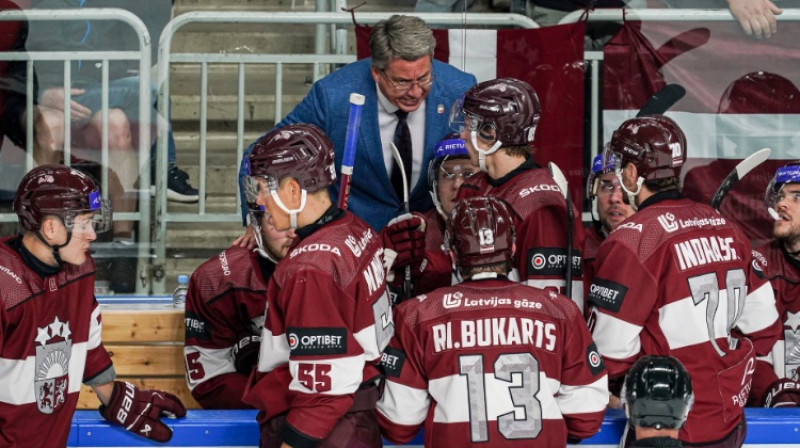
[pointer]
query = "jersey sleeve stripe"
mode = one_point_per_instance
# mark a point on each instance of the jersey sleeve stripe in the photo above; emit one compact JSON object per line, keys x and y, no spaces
{"x":368,"y":342}
{"x":346,"y":375}
{"x":583,"y":399}
{"x":273,"y":352}
{"x":95,"y":329}
{"x":616,"y":338}
{"x":215,"y":362}
{"x":404,"y":405}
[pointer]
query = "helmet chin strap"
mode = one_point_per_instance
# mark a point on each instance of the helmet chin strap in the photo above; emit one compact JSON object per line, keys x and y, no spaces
{"x":630,"y":195}
{"x":292,"y":213}
{"x":483,"y":153}
{"x":55,"y":247}
{"x":437,"y":204}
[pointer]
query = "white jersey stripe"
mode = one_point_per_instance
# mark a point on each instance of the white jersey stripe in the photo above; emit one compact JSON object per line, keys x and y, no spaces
{"x":366,"y":339}
{"x":684,"y":324}
{"x":759,"y":310}
{"x":215,"y":362}
{"x":404,"y":405}
{"x":273,"y":352}
{"x":95,"y":330}
{"x":582,"y":399}
{"x":20,"y":371}
{"x":616,"y":338}
{"x":343,"y":375}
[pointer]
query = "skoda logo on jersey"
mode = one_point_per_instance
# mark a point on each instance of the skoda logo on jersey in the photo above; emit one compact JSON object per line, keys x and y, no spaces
{"x":667,"y":221}
{"x":294,"y":341}
{"x":538,"y":261}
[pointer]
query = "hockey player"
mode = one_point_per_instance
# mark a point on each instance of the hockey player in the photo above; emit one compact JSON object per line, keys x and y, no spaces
{"x":677,"y":279}
{"x":418,"y":240}
{"x":608,"y":211}
{"x":225,"y":315}
{"x":328,"y":314}
{"x":490,"y":362}
{"x":50,"y":322}
{"x":657,"y":396}
{"x":780,"y":260}
{"x":499,"y":120}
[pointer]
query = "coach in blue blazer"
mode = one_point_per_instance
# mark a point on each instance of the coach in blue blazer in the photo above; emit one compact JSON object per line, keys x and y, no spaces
{"x":327,"y":105}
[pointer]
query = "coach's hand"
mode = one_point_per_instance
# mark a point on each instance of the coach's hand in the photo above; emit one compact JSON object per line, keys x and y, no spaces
{"x":783,"y":393}
{"x":404,"y":241}
{"x":139,"y":411}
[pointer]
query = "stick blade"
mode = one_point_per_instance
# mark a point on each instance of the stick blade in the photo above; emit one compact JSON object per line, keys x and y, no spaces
{"x":739,"y":171}
{"x":663,"y":100}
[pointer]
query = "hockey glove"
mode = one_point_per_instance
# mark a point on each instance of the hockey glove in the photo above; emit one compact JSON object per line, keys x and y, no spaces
{"x":783,"y":393}
{"x":404,"y":242}
{"x":245,"y":353}
{"x":139,"y":411}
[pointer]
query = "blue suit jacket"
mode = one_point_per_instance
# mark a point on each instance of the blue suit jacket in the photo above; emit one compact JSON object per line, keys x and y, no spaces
{"x":327,"y":105}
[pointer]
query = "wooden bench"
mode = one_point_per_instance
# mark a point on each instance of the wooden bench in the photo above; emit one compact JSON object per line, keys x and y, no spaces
{"x":145,"y":343}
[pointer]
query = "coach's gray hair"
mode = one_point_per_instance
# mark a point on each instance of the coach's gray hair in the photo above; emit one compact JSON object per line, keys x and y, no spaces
{"x":400,"y":37}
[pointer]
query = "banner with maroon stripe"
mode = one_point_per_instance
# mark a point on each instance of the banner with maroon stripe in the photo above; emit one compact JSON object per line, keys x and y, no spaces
{"x":742,"y":96}
{"x":550,"y":59}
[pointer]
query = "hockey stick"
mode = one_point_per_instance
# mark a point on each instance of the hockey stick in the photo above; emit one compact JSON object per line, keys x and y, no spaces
{"x":742,"y":168}
{"x":561,"y":181}
{"x":349,"y":157}
{"x":662,"y":100}
{"x":407,"y":207}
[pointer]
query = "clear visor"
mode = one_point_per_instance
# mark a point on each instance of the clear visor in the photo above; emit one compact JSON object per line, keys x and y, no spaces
{"x":776,"y":193}
{"x":784,"y":175}
{"x":457,"y":115}
{"x":252,"y":187}
{"x":611,"y":160}
{"x":82,"y":222}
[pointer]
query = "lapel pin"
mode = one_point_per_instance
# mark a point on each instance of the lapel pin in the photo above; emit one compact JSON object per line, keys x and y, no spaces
{"x":440,"y":108}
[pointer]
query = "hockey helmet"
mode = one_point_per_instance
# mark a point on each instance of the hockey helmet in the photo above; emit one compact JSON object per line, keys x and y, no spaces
{"x":598,"y":169}
{"x":655,"y":144}
{"x":657,"y":393}
{"x":481,"y":232}
{"x":504,"y":110}
{"x":58,"y":190}
{"x":787,"y":174}
{"x":452,"y":147}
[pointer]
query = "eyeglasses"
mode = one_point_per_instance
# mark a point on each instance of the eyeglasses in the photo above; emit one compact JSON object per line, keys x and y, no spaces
{"x":608,"y":187}
{"x":404,"y":86}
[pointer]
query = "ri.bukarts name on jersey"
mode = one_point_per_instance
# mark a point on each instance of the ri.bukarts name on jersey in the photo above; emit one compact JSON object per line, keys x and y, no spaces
{"x":496,"y":331}
{"x":702,"y":251}
{"x":317,"y":341}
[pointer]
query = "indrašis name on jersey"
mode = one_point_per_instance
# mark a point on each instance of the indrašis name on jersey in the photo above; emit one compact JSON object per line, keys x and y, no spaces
{"x":497,"y":331}
{"x":702,"y":251}
{"x":374,"y":273}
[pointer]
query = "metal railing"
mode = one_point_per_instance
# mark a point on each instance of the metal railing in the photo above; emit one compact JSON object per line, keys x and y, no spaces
{"x":163,"y":217}
{"x":142,"y":56}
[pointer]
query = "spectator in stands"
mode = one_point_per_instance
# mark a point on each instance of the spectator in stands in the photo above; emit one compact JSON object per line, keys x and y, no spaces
{"x":50,"y":325}
{"x":758,"y":18}
{"x":608,"y":211}
{"x":678,"y":279}
{"x":777,"y":385}
{"x":86,"y":88}
{"x":328,"y":316}
{"x":225,"y":315}
{"x":657,"y":396}
{"x":460,"y":352}
{"x":13,"y":96}
{"x":402,"y":84}
{"x":418,"y":240}
{"x":442,"y":5}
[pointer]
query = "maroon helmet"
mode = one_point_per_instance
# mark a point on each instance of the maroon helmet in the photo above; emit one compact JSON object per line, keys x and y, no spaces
{"x":481,"y":232}
{"x":301,"y":151}
{"x":57,"y":190}
{"x":503,"y":109}
{"x":655,"y":144}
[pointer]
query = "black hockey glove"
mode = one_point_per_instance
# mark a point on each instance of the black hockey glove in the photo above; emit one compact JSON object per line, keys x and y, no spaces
{"x":783,"y":393}
{"x":245,"y":353}
{"x":139,"y":411}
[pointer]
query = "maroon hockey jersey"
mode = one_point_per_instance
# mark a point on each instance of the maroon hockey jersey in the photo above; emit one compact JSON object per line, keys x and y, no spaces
{"x":492,"y":362}
{"x":541,"y":226}
{"x":49,"y":344}
{"x":677,"y":279}
{"x":784,"y":275}
{"x":591,"y":244}
{"x":226,"y":301}
{"x":437,"y":270}
{"x":328,"y":319}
